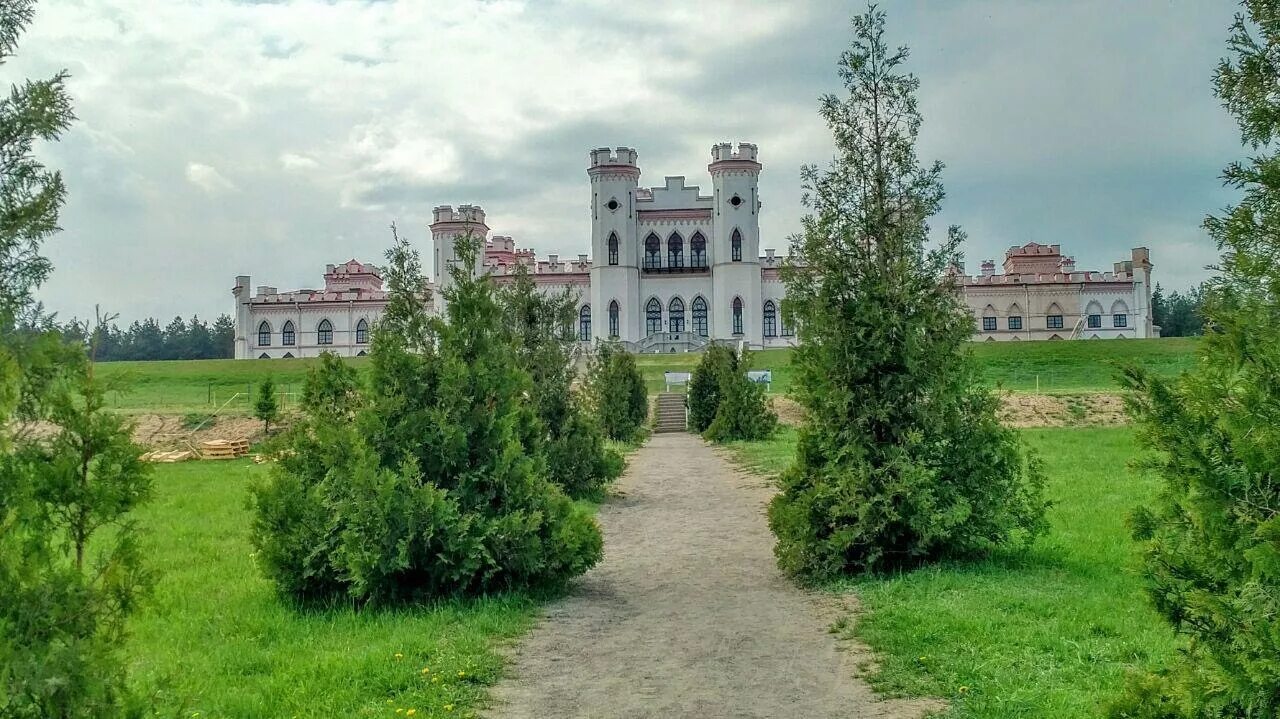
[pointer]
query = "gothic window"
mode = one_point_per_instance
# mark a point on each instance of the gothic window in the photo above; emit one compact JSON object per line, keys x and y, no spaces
{"x":770,"y":319}
{"x":286,"y":334}
{"x":700,"y":316}
{"x":264,"y":334}
{"x":988,"y":324}
{"x":1095,"y":322}
{"x":675,"y":315}
{"x":362,"y":332}
{"x":1053,"y":322}
{"x":698,"y":250}
{"x":1119,"y":320}
{"x":735,"y":246}
{"x":653,"y":317}
{"x":324,"y":333}
{"x":737,"y":315}
{"x":613,"y":319}
{"x":785,"y":323}
{"x":652,"y":252}
{"x":1015,"y":322}
{"x":1119,"y":314}
{"x":613,"y":249}
{"x":675,"y":250}
{"x":584,"y":324}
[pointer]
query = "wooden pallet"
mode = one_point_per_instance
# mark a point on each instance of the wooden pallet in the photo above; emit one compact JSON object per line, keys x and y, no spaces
{"x":224,"y":449}
{"x":178,"y":455}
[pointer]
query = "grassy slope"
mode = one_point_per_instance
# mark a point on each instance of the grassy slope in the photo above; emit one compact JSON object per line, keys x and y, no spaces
{"x":219,"y":637}
{"x":202,"y":385}
{"x":1047,"y":634}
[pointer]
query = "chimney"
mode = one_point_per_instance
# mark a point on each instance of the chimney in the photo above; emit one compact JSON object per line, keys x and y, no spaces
{"x":988,"y":268}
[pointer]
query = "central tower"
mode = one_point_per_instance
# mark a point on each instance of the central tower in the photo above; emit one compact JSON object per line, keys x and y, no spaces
{"x":615,"y":264}
{"x":735,"y":255}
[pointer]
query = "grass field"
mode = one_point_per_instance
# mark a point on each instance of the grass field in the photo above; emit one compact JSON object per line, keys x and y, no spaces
{"x":205,"y":385}
{"x":221,"y":642}
{"x":1048,"y":633}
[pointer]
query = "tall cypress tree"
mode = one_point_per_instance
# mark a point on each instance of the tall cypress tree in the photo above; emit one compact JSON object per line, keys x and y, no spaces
{"x":901,"y":458}
{"x":1213,"y":535}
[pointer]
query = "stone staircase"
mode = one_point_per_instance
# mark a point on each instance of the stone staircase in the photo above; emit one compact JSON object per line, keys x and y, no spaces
{"x":669,"y":414}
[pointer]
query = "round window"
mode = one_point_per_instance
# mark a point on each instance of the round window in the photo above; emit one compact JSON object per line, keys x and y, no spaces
{"x":735,"y":201}
{"x":612,"y":205}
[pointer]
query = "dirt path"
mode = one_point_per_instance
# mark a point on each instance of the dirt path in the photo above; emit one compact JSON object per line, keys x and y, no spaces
{"x":687,"y":616}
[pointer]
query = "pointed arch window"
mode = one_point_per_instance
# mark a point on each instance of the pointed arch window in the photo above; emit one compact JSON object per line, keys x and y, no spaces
{"x":613,"y":320}
{"x":653,"y":316}
{"x":324,"y":333}
{"x":362,"y":332}
{"x":735,"y":246}
{"x":700,"y":316}
{"x":264,"y":334}
{"x":652,"y":252}
{"x":675,"y":250}
{"x":785,"y":323}
{"x":584,"y":324}
{"x":613,"y":248}
{"x":737,"y":315}
{"x":770,"y":319}
{"x":675,"y":315}
{"x":697,"y":250}
{"x":286,"y":334}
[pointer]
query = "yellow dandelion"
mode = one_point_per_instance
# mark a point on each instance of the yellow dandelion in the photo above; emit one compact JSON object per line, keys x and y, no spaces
{"x":448,"y":707}
{"x":462,"y":674}
{"x":426,"y":670}
{"x":435,"y":679}
{"x":411,"y":712}
{"x":399,"y":655}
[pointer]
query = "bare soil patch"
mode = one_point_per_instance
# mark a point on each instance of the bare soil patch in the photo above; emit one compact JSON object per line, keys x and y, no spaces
{"x":166,"y":431}
{"x":1021,"y":409}
{"x":688,"y":615}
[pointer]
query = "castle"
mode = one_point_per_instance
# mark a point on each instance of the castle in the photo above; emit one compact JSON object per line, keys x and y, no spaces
{"x":675,"y":269}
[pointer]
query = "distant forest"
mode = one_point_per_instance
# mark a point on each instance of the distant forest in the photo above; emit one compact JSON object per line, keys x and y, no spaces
{"x":147,"y":340}
{"x":1178,"y":314}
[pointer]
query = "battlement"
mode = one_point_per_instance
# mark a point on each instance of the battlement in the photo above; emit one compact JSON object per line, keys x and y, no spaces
{"x":724,"y":152}
{"x":464,"y":213}
{"x":604,"y":156}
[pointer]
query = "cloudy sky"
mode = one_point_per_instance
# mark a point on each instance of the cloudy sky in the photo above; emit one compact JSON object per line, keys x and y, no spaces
{"x":219,"y":138}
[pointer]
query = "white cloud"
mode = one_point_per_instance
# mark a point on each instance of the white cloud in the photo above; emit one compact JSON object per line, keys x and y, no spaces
{"x":291,"y":161}
{"x":207,"y":178}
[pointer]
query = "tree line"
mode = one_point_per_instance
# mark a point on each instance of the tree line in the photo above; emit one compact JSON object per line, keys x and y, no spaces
{"x":147,"y":340}
{"x":1179,"y":314}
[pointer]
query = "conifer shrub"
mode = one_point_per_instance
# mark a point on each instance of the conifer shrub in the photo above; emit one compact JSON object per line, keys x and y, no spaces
{"x":616,"y":390}
{"x":901,"y":458}
{"x":704,"y":386}
{"x":1212,"y":535}
{"x":431,"y":490}
{"x":743,"y":412}
{"x":265,"y":406}
{"x":545,"y":346}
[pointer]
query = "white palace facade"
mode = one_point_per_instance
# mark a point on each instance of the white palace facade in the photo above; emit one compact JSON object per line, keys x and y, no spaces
{"x":672,"y":269}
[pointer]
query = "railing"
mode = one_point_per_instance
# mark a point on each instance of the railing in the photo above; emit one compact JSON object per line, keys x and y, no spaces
{"x":692,"y":270}
{"x":671,"y":342}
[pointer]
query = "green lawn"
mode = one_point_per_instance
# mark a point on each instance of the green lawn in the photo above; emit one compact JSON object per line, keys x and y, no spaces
{"x":1048,"y":633}
{"x":221,"y":641}
{"x":204,"y":385}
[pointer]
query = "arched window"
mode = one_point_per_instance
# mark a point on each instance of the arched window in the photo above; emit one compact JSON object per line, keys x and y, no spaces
{"x":264,"y":334}
{"x":1014,"y":317}
{"x":735,"y":246}
{"x":324,"y":333}
{"x":700,"y":316}
{"x":1094,"y":314}
{"x":698,"y":250}
{"x":675,"y":315}
{"x":737,"y":315}
{"x":362,"y":332}
{"x":613,"y":319}
{"x":1053,"y":317}
{"x":1119,"y":314}
{"x":675,"y":250}
{"x":770,"y":324}
{"x":584,"y":324}
{"x":613,"y":248}
{"x":653,"y":316}
{"x":286,"y":334}
{"x":785,"y":322}
{"x":652,"y":250}
{"x":989,"y":319}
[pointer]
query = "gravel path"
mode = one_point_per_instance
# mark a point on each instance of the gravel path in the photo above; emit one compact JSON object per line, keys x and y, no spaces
{"x":687,"y":616}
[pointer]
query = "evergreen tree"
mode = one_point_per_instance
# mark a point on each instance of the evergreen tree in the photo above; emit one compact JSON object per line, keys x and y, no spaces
{"x":577,"y":457}
{"x":901,"y":458}
{"x":743,"y":412}
{"x":617,"y":394}
{"x":66,"y":588}
{"x":265,"y":407}
{"x":431,"y":490}
{"x":1213,"y":535}
{"x":223,"y":338}
{"x":703,"y":400}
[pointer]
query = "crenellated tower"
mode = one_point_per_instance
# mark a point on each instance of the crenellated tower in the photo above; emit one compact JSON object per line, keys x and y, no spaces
{"x":615,"y":264}
{"x":735,"y":250}
{"x":447,"y":228}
